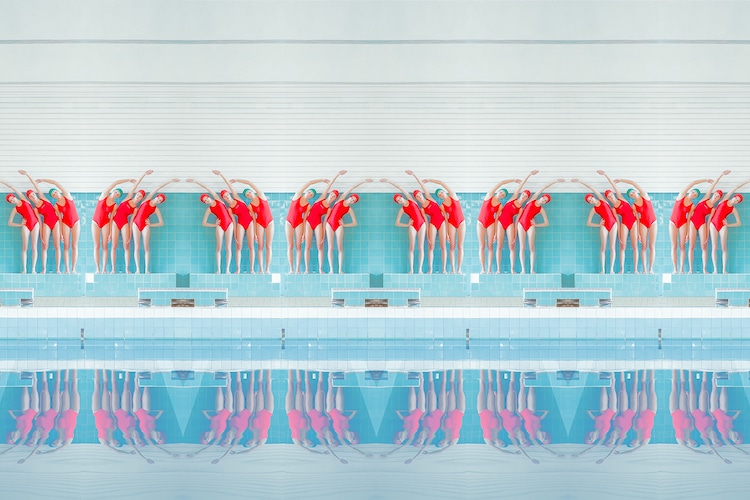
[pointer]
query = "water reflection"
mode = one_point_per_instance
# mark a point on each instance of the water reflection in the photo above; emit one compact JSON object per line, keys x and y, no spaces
{"x":372,"y":422}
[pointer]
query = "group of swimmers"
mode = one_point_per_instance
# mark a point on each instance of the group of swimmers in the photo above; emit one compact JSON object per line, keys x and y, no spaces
{"x":436,"y":219}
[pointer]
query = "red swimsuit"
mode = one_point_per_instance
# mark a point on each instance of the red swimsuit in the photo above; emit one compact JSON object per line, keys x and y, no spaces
{"x":604,"y":211}
{"x":414,"y":213}
{"x":244,"y":219}
{"x":646,"y":211}
{"x":102,"y":212}
{"x":488,"y":212}
{"x":68,"y":212}
{"x":316,"y":213}
{"x":123,"y":212}
{"x":436,"y":215}
{"x":625,"y":211}
{"x":701,"y":211}
{"x":680,"y":212}
{"x":26,"y":211}
{"x":530,"y":210}
{"x":145,"y":210}
{"x":222,"y":214}
{"x":262,"y":212}
{"x":508,"y":212}
{"x":718,"y":219}
{"x":455,"y":214}
{"x":337,"y":213}
{"x":296,"y":214}
{"x":47,"y":211}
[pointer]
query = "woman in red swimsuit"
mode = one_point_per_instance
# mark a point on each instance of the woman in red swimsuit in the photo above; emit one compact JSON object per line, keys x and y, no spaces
{"x":48,"y":411}
{"x":29,"y":225}
{"x":678,"y":408}
{"x":100,"y":222}
{"x":437,"y":229}
{"x":244,"y":223}
{"x":314,"y":222}
{"x":335,"y":225}
{"x":456,"y":223}
{"x":643,"y":423}
{"x":69,"y":410}
{"x":698,"y":223}
{"x":526,"y":227}
{"x":340,"y":417}
{"x":264,"y":226}
{"x":647,"y":225}
{"x":487,"y":223}
{"x":719,"y":225}
{"x":627,"y":224}
{"x":71,"y":224}
{"x":51,"y":222}
{"x":298,"y":399}
{"x":294,"y":229}
{"x":454,"y":415}
{"x":607,"y":226}
{"x":416,"y":224}
{"x":506,"y":222}
{"x":678,"y":223}
{"x":121,"y":223}
{"x":141,"y":225}
{"x":101,"y":404}
{"x":507,"y":408}
{"x":223,"y":225}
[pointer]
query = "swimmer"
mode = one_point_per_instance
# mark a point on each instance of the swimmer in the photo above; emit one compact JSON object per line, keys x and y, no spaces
{"x":647,"y":224}
{"x":487,"y":223}
{"x":532,"y":422}
{"x":699,"y":411}
{"x":264,"y":225}
{"x":719,"y":225}
{"x":71,"y":224}
{"x":141,"y":225}
{"x":627,"y":408}
{"x":487,"y":410}
{"x":295,"y":222}
{"x":506,"y":222}
{"x":678,"y":223}
{"x":24,"y":418}
{"x":643,"y":424}
{"x":335,"y":225}
{"x":69,"y":410}
{"x":147,"y":419}
{"x":101,"y":404}
{"x":263,"y":411}
{"x":526,"y":227}
{"x":719,"y":405}
{"x":454,"y":415}
{"x":121,"y":223}
{"x":50,"y":222}
{"x":240,"y":420}
{"x":29,"y":225}
{"x":436,"y":229}
{"x":126,"y":422}
{"x":433,"y":420}
{"x":628,"y":223}
{"x":698,"y":224}
{"x":101,"y":222}
{"x":507,"y":410}
{"x":224,"y":224}
{"x":456,"y":223}
{"x":244,"y":223}
{"x":341,"y":418}
{"x":416,"y":224}
{"x":314,"y":224}
{"x":607,"y":226}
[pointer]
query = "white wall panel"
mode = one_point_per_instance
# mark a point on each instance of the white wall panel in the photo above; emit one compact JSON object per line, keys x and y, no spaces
{"x":281,"y":135}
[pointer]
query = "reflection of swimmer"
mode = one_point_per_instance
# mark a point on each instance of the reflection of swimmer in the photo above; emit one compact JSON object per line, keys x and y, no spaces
{"x":146,"y":418}
{"x":507,"y":407}
{"x":411,"y":418}
{"x":340,"y":417}
{"x":699,"y":410}
{"x":126,"y":422}
{"x":69,"y":410}
{"x":433,"y":420}
{"x":297,"y":398}
{"x":101,"y":400}
{"x":25,"y":416}
{"x":454,"y":415}
{"x":678,"y":408}
{"x":721,"y":413}
{"x":623,"y":421}
{"x":263,"y":410}
{"x":603,"y":419}
{"x":49,"y":410}
{"x":647,"y":406}
{"x":531,"y":421}
{"x":217,"y":418}
{"x":319,"y":421}
{"x":240,"y":420}
{"x":486,"y":408}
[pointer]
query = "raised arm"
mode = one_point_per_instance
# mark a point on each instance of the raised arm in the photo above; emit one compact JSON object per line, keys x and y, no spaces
{"x":691,"y":185}
{"x":105,"y":193}
{"x":306,"y":186}
{"x":157,"y":188}
{"x":59,"y":186}
{"x":12,"y":188}
{"x":543,"y":188}
{"x":500,"y":184}
{"x":348,"y":192}
{"x":715,"y":183}
{"x":611,"y":183}
{"x":523,"y":183}
{"x":226,"y":181}
{"x":590,"y":187}
{"x":255,"y":188}
{"x":211,"y":191}
{"x":403,"y":191}
{"x":137,"y":183}
{"x":329,"y":185}
{"x":421,"y":185}
{"x":443,"y":185}
{"x":33,"y":183}
{"x":736,"y":188}
{"x":640,"y":189}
